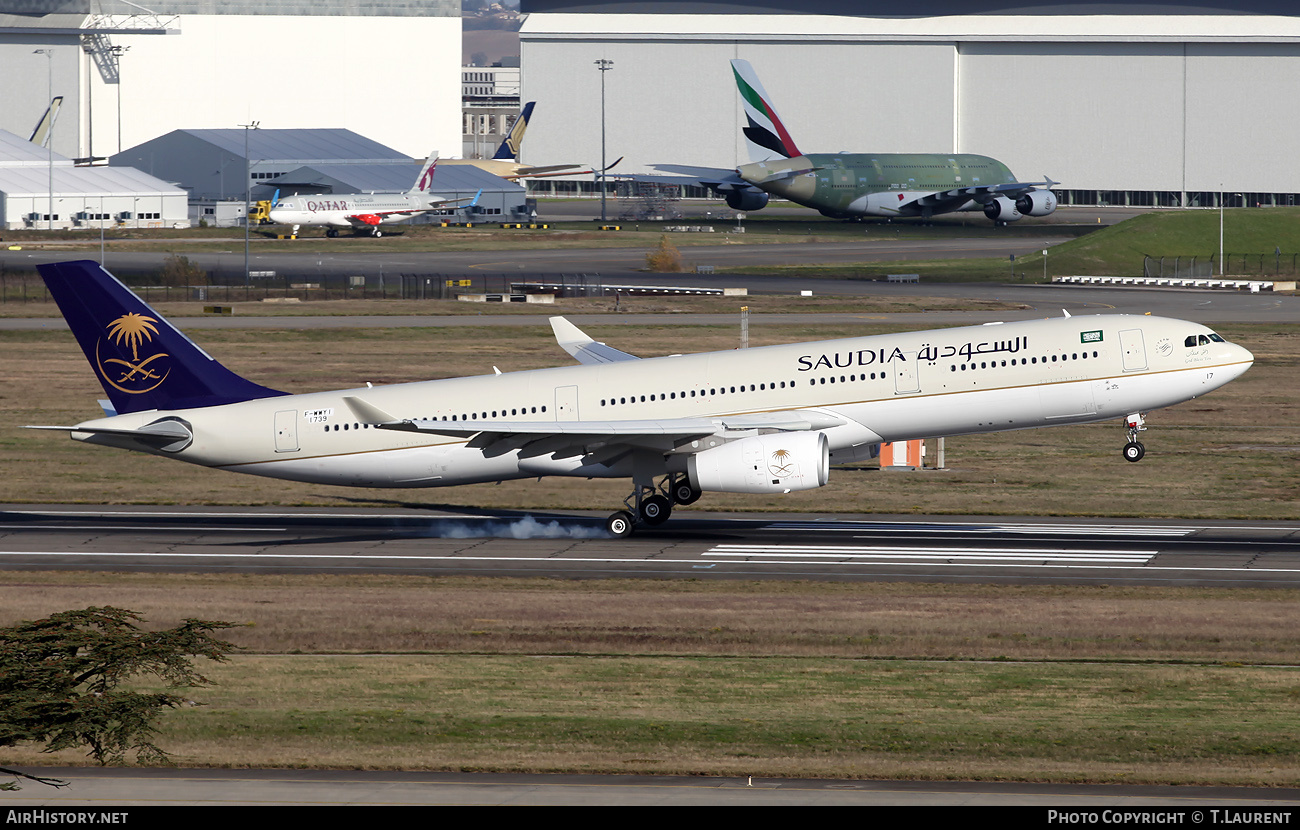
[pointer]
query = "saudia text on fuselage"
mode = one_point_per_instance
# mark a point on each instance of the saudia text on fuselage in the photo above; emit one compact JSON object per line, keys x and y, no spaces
{"x":866,"y":357}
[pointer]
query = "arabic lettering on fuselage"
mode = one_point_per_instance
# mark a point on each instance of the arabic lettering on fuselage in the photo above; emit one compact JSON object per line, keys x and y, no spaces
{"x":867,"y":357}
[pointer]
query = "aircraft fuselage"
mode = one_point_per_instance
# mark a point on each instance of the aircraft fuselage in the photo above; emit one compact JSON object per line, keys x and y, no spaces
{"x":351,"y":210}
{"x":887,"y":387}
{"x":879,"y":184}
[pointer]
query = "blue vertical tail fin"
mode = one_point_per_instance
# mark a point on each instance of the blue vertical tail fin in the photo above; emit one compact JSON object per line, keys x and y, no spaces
{"x":509,"y":149}
{"x":142,"y":361}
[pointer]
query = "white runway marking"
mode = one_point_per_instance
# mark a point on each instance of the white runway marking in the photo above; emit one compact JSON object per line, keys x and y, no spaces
{"x":892,"y":555}
{"x":1063,"y":529}
{"x":167,"y":528}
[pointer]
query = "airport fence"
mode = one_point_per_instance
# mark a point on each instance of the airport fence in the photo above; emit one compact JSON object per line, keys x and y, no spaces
{"x":19,"y":286}
{"x":1276,"y":264}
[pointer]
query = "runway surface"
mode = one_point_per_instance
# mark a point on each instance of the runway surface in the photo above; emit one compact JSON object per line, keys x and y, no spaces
{"x":96,"y":788}
{"x":690,"y":545}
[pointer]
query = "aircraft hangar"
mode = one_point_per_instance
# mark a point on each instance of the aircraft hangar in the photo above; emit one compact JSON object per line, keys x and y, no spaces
{"x":1137,"y":103}
{"x":385,"y":68}
{"x":209,"y":166}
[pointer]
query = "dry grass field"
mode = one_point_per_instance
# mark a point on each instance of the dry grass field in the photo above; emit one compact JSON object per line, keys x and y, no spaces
{"x":721,"y":678}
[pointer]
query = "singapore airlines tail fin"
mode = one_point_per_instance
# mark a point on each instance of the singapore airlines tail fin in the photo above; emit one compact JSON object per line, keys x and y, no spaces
{"x":142,"y":361}
{"x":424,"y":181}
{"x":509,"y":149}
{"x":45,"y":127}
{"x":765,"y":130}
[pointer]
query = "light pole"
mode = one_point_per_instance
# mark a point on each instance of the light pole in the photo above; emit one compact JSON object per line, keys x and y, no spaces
{"x":49,"y":138}
{"x":1221,"y":230}
{"x":248,"y":191}
{"x":604,"y":65}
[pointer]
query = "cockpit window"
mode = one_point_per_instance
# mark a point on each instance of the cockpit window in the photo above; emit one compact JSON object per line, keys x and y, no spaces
{"x":1203,"y":339}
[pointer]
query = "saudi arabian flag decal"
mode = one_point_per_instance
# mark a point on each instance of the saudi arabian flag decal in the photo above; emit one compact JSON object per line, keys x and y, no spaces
{"x":1090,"y":337}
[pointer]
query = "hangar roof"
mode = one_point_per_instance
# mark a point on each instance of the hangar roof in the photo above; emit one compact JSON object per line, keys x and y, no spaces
{"x":16,"y":151}
{"x":26,"y":169}
{"x":297,"y":144}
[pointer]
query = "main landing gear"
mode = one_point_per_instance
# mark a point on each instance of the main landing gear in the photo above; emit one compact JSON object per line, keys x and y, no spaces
{"x":1133,"y":450}
{"x":651,"y":504}
{"x":331,"y":232}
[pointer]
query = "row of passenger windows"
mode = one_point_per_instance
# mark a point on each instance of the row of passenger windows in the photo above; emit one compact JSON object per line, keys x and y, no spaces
{"x":471,"y":416}
{"x":731,"y":390}
{"x":1024,"y":361}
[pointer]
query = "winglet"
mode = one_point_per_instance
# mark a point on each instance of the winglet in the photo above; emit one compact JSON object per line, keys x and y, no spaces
{"x":584,"y":349}
{"x":368,"y":413}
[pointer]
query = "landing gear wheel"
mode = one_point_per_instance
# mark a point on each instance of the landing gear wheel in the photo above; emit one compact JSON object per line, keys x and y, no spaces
{"x":331,"y":232}
{"x":655,"y":510}
{"x":1133,"y":451}
{"x":620,"y":524}
{"x":684,"y":493}
{"x":376,"y":233}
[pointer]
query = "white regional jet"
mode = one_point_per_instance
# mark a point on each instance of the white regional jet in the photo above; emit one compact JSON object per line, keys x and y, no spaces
{"x":763,"y":420}
{"x":361,"y":211}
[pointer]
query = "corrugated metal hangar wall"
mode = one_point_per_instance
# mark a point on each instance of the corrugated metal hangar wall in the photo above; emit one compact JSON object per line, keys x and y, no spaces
{"x":1148,"y":106}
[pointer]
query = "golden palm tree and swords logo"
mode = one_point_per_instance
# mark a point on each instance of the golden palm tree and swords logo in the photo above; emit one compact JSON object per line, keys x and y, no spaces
{"x":139,"y":374}
{"x":782,"y":464}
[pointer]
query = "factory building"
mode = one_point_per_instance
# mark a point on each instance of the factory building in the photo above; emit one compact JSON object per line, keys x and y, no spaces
{"x":1139,"y":103}
{"x":385,"y":68}
{"x":42,"y":189}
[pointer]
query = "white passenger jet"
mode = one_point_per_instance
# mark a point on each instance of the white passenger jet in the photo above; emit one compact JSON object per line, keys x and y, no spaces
{"x":362,"y":212}
{"x":763,"y":420}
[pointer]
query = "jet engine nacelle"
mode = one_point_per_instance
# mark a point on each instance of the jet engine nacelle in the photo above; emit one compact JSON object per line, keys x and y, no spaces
{"x":1036,"y":203}
{"x":746,"y":199}
{"x":1002,"y":209}
{"x":776,"y":463}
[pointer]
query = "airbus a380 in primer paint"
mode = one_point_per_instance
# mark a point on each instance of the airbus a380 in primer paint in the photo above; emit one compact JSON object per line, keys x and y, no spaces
{"x":762,"y":420}
{"x":848,"y":185}
{"x":362,"y":212}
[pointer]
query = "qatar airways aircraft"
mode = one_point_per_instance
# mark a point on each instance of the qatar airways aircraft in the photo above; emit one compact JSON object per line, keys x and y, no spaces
{"x":763,"y":420}
{"x":362,"y":212}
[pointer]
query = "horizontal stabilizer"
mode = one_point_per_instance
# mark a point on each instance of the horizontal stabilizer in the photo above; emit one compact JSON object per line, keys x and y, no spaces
{"x":168,"y":434}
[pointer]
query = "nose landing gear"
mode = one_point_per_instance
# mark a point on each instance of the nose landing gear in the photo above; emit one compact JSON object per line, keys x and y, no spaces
{"x":1133,"y":450}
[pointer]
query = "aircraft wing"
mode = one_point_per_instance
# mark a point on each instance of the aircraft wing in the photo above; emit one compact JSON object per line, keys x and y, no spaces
{"x":556,"y":170}
{"x":716,"y":178}
{"x":538,"y":171}
{"x":606,"y":441}
{"x":584,"y":349}
{"x":981,"y":193}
